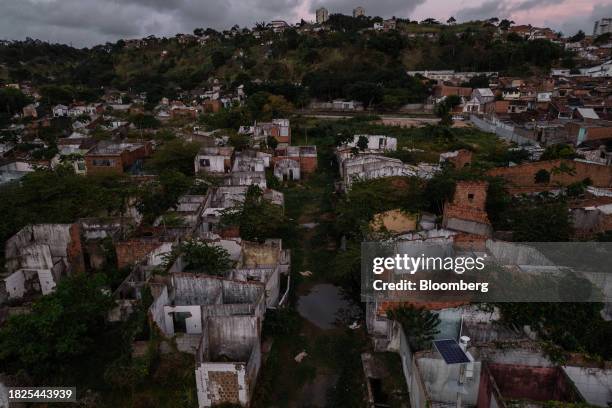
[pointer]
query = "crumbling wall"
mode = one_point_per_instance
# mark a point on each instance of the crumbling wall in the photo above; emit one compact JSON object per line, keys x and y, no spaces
{"x":270,"y":277}
{"x":193,"y":323}
{"x":135,"y":250}
{"x":156,"y":311}
{"x":594,"y":384}
{"x":521,"y":178}
{"x":196,"y":290}
{"x":533,"y":383}
{"x":63,"y":242}
{"x":467,"y":211}
{"x":232,"y":337}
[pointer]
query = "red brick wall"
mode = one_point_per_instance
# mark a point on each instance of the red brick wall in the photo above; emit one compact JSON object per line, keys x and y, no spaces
{"x":468,"y":202}
{"x":75,"y":250}
{"x":521,"y":178}
{"x":463,"y":157}
{"x":116,"y":168}
{"x":532,"y":383}
{"x":308,"y":164}
{"x":133,"y":251}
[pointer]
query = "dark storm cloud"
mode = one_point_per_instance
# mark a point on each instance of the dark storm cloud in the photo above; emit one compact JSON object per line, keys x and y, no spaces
{"x":585,"y":21}
{"x":501,"y":9}
{"x":88,"y":22}
{"x":383,"y":8}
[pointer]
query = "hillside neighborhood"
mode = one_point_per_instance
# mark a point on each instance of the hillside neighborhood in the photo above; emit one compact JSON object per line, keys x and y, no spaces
{"x":182,"y":218}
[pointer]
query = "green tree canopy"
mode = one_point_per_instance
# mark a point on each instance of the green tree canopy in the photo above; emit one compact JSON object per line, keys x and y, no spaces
{"x":257,"y":218}
{"x":205,"y":258}
{"x":62,"y":328}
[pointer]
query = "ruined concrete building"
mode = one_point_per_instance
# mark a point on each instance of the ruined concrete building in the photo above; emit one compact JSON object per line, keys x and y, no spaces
{"x":357,"y":164}
{"x":218,"y":320}
{"x":184,"y":304}
{"x":38,"y":256}
{"x":291,"y":162}
{"x":228,"y":360}
{"x":214,"y":160}
{"x":225,"y":197}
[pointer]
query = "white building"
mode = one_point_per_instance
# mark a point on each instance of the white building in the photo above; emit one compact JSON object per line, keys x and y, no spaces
{"x":376,"y":142}
{"x":602,"y":26}
{"x":213,"y":160}
{"x":322,"y":15}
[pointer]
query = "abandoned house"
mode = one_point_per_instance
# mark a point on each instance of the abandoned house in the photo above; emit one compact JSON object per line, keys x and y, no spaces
{"x":292,"y":161}
{"x":38,"y":256}
{"x":228,"y":360}
{"x":214,"y":160}
{"x":117,"y":158}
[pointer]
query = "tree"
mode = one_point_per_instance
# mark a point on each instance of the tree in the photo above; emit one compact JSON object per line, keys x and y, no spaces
{"x":542,"y":177}
{"x":54,"y":94}
{"x":579,"y":36}
{"x":271,"y":142}
{"x":158,"y":196}
{"x":62,"y":329}
{"x":205,"y":258}
{"x":439,"y":190}
{"x":277,"y":107}
{"x":559,"y":151}
{"x":367,"y":93}
{"x":505,"y":24}
{"x":257,"y":218}
{"x":540,"y":219}
{"x":430,"y":21}
{"x":419,"y":325}
{"x":12,"y":101}
{"x":175,"y":155}
{"x":451,"y":21}
{"x":218,"y":58}
{"x":142,"y":121}
{"x":362,"y":142}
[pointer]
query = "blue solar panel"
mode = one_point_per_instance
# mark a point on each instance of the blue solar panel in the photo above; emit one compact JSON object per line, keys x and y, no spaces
{"x":451,"y":352}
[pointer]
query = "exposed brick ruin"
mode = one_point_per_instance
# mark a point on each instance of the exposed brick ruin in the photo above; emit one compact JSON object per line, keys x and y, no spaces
{"x":135,"y":250}
{"x":467,"y":211}
{"x":527,"y":383}
{"x":460,"y":158}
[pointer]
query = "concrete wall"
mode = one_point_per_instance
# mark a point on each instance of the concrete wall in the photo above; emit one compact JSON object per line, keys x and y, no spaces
{"x":287,"y":169}
{"x":234,"y":339}
{"x":216,"y":164}
{"x":156,"y":311}
{"x":376,"y":142}
{"x":594,"y":384}
{"x":193,"y":324}
{"x":270,"y":277}
{"x":63,"y":241}
{"x":437,"y":376}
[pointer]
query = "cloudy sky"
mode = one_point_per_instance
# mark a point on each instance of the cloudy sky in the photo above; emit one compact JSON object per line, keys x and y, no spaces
{"x":90,"y":22}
